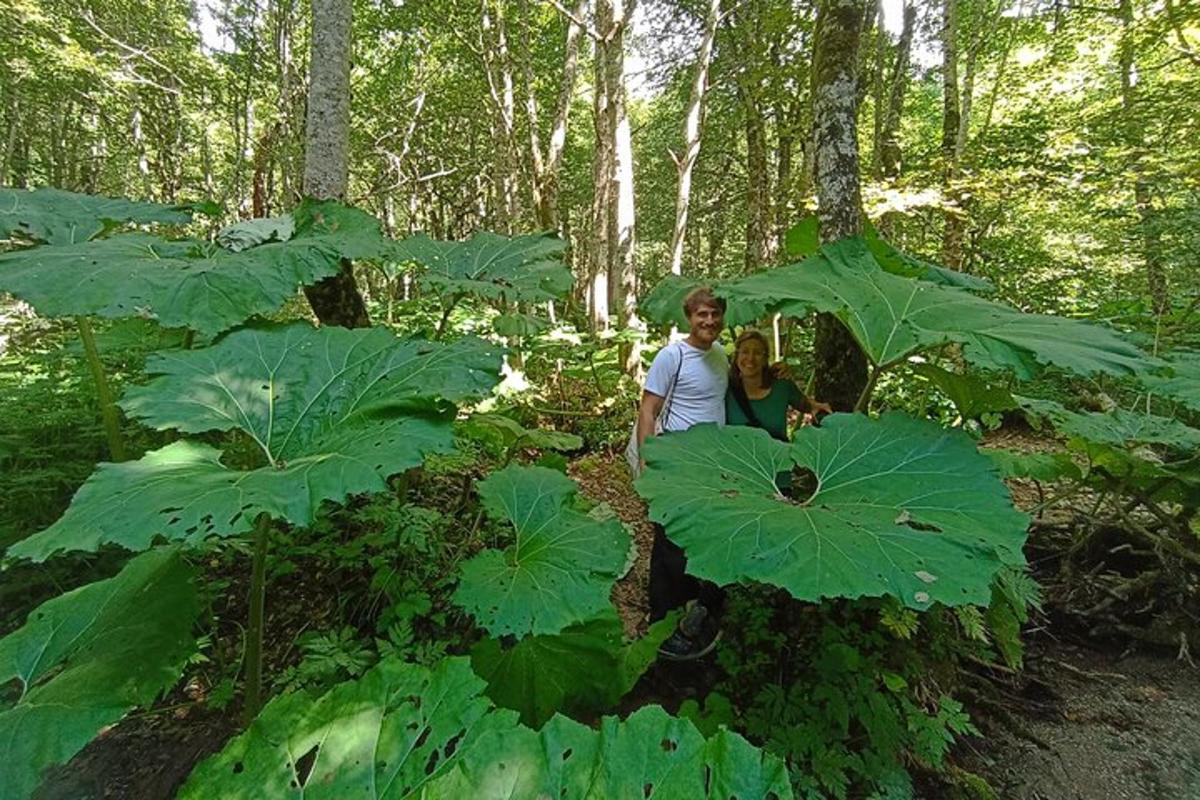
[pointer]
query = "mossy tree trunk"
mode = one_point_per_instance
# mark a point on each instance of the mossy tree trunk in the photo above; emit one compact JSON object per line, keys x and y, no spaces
{"x":840,"y":365}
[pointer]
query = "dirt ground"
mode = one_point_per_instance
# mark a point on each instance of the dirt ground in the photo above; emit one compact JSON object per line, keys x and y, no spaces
{"x":1113,"y":729}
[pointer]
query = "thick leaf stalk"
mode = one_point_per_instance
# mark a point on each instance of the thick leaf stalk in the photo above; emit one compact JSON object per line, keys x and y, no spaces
{"x":254,"y":630}
{"x":108,"y":408}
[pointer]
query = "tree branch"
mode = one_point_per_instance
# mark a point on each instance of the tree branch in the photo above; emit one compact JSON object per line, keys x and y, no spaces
{"x":566,"y":12}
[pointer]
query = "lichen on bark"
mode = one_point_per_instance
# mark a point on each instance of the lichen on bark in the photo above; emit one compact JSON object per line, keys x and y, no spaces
{"x":840,"y":366}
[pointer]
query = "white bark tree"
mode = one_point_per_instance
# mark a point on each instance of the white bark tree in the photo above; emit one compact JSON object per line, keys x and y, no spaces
{"x":692,"y":131}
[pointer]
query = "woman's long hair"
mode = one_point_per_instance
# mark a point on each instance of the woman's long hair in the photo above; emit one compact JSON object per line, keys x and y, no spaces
{"x":735,"y":372}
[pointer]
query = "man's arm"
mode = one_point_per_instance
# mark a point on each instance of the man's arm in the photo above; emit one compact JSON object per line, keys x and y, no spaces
{"x":648,"y":412}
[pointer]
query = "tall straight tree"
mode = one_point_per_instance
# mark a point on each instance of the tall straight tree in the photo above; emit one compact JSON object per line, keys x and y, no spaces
{"x":546,"y":167}
{"x":1151,"y":245}
{"x":692,"y":129}
{"x":613,"y":207}
{"x":887,"y":159}
{"x":335,"y":300}
{"x":840,"y":368}
{"x":952,"y":229}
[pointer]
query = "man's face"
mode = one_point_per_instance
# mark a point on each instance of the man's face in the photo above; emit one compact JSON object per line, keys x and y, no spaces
{"x":706,"y":323}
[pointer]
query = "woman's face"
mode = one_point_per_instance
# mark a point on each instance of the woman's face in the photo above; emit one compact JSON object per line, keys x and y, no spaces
{"x":751,"y":357}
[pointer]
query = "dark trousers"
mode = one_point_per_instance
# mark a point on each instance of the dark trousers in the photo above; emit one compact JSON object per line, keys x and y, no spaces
{"x":671,"y":586}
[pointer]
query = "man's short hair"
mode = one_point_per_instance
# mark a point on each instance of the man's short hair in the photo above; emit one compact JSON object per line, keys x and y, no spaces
{"x":701,"y":296}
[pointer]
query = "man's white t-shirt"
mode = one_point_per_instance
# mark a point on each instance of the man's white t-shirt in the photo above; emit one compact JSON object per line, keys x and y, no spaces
{"x":699,"y":394}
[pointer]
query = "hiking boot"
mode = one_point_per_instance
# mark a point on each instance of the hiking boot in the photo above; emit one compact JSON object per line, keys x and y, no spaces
{"x":695,"y":637}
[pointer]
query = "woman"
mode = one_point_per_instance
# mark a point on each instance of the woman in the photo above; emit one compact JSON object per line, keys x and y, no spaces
{"x":757,"y":396}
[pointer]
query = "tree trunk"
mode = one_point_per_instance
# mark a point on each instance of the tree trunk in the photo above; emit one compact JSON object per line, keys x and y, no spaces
{"x":622,"y":290}
{"x":692,"y":130}
{"x":546,"y":170}
{"x":335,"y":300}
{"x":139,"y":146}
{"x":840,"y":365}
{"x":759,"y":232}
{"x":601,"y":173}
{"x":952,"y":229}
{"x":878,"y":87}
{"x":789,"y":123}
{"x":1151,"y":246}
{"x":10,"y":139}
{"x":889,"y":138}
{"x":498,"y":70}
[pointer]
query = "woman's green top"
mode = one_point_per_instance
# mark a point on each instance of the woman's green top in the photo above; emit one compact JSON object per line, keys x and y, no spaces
{"x":771,"y":410}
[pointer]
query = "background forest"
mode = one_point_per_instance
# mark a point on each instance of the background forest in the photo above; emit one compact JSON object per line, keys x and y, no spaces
{"x":522,"y":192}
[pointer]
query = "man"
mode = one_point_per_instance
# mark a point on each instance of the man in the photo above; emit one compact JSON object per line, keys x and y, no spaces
{"x":686,"y":385}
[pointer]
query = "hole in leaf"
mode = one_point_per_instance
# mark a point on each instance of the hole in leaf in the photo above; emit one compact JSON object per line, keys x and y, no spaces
{"x":238,"y":768}
{"x":567,"y":753}
{"x":647,"y":790}
{"x":917,"y":525}
{"x":707,"y":779}
{"x":669,"y":746}
{"x":452,"y":745}
{"x":304,"y":764}
{"x":431,"y":764}
{"x":424,"y":737}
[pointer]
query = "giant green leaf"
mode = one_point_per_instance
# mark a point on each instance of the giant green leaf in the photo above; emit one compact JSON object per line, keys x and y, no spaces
{"x":1117,"y":427}
{"x":386,"y":735}
{"x":559,"y":569}
{"x":584,"y":669}
{"x":1036,"y":466}
{"x":803,"y":240}
{"x":59,"y":217}
{"x":504,"y":433}
{"x":520,"y":268}
{"x":970,"y":394}
{"x":332,"y":411}
{"x":650,"y":754}
{"x":897,"y":262}
{"x":189,"y":283}
{"x":903,"y":507}
{"x":85,"y":658}
{"x":893,"y":317}
{"x":664,"y":303}
{"x":1180,"y":381}
{"x":403,"y":731}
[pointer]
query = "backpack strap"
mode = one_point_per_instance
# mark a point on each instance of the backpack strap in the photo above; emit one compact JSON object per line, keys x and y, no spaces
{"x":666,"y":412}
{"x":743,"y":401}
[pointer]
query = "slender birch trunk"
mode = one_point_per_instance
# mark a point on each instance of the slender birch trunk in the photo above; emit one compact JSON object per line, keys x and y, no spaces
{"x":623,"y":252}
{"x":599,"y":265}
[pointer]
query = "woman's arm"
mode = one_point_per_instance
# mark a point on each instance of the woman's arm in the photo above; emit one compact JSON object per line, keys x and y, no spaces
{"x":805,"y":404}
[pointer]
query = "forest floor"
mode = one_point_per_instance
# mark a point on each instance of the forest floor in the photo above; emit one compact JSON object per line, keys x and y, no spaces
{"x":1078,"y":723}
